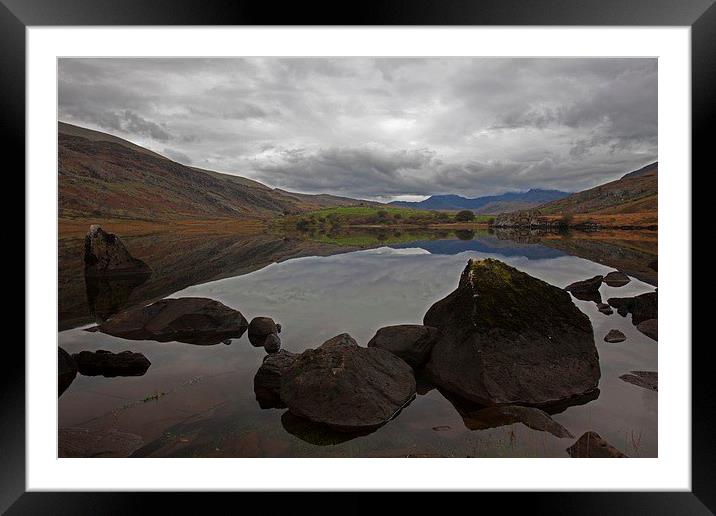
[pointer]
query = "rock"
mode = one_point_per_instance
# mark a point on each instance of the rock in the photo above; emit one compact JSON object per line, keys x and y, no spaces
{"x":267,"y":382}
{"x":193,"y":320}
{"x":66,"y":370}
{"x":523,"y":218}
{"x":411,"y":342}
{"x":318,"y":435}
{"x":605,"y":308}
{"x":108,"y":364}
{"x":591,"y":445}
{"x":641,"y":308}
{"x":650,"y":328}
{"x":586,"y":290}
{"x":502,"y":415}
{"x":646,"y":379}
{"x":260,"y":328}
{"x":106,"y":255}
{"x":614,"y":336}
{"x":272,"y":343}
{"x":509,"y":338}
{"x":347,"y":387}
{"x":85,"y":442}
{"x":616,"y":279}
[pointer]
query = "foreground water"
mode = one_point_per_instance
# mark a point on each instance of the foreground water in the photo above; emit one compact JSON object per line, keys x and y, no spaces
{"x":199,"y":400}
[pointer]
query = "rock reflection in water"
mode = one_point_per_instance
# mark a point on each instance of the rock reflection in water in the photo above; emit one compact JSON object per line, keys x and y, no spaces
{"x":109,"y":296}
{"x":320,"y":435}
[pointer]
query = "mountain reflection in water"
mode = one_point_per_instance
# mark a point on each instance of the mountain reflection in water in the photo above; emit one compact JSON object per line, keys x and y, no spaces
{"x":318,"y":285}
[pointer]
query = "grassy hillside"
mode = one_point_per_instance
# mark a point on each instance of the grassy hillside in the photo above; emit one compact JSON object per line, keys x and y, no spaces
{"x":636,"y":192}
{"x":102,"y":177}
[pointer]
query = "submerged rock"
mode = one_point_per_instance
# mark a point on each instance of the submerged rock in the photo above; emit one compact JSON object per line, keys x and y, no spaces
{"x":650,"y":328}
{"x":411,"y":342}
{"x":591,"y":445}
{"x":605,"y":308}
{"x":646,"y":379}
{"x":194,"y":320}
{"x":616,"y":279}
{"x":267,"y":382}
{"x":502,"y":415}
{"x":108,"y":364}
{"x":614,"y":336}
{"x":316,"y":434}
{"x":642,"y":307}
{"x":260,"y":328}
{"x":347,"y":387}
{"x":509,"y":338}
{"x":106,"y":255}
{"x":586,"y":290}
{"x":86,"y":442}
{"x":66,"y":370}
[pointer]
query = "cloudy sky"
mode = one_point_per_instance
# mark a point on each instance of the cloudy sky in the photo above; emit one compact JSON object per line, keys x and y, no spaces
{"x":379,"y":128}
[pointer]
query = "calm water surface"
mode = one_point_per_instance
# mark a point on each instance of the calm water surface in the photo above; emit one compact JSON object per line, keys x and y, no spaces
{"x":199,"y":400}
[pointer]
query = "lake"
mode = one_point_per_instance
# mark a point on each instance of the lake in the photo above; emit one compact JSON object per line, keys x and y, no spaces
{"x":199,"y":401}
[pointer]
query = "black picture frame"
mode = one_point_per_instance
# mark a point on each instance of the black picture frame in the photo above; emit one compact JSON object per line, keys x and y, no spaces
{"x":700,"y":15}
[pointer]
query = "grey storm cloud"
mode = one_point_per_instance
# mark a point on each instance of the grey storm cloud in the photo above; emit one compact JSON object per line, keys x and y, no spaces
{"x":379,"y":128}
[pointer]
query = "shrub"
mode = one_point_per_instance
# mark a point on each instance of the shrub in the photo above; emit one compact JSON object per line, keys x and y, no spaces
{"x":464,"y":216}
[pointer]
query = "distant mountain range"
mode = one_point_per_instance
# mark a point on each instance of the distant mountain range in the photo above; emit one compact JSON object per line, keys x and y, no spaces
{"x":491,"y":204}
{"x":105,"y":177}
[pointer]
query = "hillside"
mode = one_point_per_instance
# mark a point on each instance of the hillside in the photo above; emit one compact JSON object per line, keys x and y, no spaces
{"x":635,"y":192}
{"x":491,"y":204}
{"x":104,"y":177}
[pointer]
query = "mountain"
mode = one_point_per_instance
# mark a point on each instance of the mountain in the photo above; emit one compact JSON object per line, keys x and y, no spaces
{"x":105,"y":177}
{"x":635,"y":192}
{"x":509,"y":201}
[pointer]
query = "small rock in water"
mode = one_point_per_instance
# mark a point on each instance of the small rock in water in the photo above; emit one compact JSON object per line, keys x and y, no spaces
{"x":441,"y":428}
{"x":605,"y":308}
{"x":278,"y":327}
{"x":66,"y":370}
{"x":586,"y":290}
{"x":227,"y":342}
{"x":108,"y":364}
{"x":260,"y":328}
{"x":642,"y":307}
{"x":591,"y":445}
{"x":646,"y":379}
{"x":411,"y":342}
{"x":650,"y":328}
{"x":614,"y":336}
{"x":616,"y":279}
{"x":272,"y":343}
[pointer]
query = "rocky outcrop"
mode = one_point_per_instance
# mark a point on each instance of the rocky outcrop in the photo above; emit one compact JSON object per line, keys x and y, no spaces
{"x":650,"y":328}
{"x":108,"y":364}
{"x":614,"y":336}
{"x":194,"y":320}
{"x":616,"y":279}
{"x":262,"y":327}
{"x":106,"y":255}
{"x":267,"y":381}
{"x":645,"y":379}
{"x":347,"y":387}
{"x":524,"y":218}
{"x":586,"y":290}
{"x":66,"y":370}
{"x":509,"y":338}
{"x":411,"y":342}
{"x":641,"y":308}
{"x":592,"y":446}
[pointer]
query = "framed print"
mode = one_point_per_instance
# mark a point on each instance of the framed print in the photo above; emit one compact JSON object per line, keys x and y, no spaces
{"x":417,"y":250}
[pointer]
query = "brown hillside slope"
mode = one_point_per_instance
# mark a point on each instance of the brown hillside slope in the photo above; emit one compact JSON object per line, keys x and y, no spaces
{"x":104,"y":177}
{"x":635,"y":192}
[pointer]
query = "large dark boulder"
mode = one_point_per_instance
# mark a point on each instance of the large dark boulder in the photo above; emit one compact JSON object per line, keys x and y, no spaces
{"x":260,"y":328}
{"x":106,"y":255}
{"x":586,"y":290}
{"x":66,"y":370}
{"x":108,"y":364}
{"x":347,"y":387}
{"x":411,"y":342}
{"x":509,"y":338}
{"x":642,"y":307}
{"x":267,"y":381}
{"x":616,"y":279}
{"x":592,"y":446}
{"x":194,"y":320}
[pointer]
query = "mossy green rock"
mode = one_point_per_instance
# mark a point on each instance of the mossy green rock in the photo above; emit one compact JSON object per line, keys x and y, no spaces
{"x":507,"y":337}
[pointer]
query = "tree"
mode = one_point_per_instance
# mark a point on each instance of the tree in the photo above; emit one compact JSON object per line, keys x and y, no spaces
{"x":464,"y":216}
